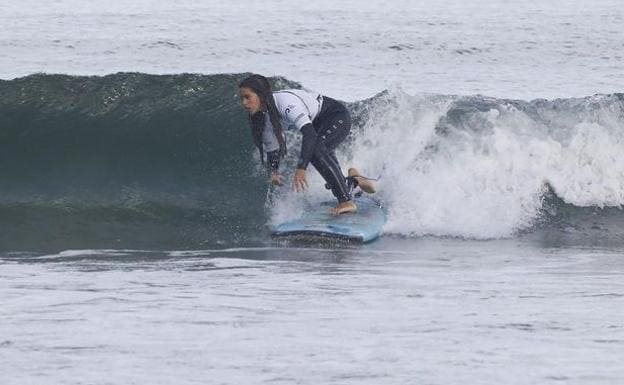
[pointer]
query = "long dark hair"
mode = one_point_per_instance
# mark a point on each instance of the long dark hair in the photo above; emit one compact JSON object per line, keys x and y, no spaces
{"x":261,"y":87}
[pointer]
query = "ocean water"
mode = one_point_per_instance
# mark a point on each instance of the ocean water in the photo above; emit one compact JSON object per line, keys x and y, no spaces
{"x":348,"y":49}
{"x":134,"y":215}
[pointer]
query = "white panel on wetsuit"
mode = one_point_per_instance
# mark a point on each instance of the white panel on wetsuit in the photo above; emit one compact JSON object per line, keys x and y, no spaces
{"x":297,"y":107}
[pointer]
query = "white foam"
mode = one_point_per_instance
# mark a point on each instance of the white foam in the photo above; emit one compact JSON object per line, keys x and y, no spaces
{"x":486,"y":179}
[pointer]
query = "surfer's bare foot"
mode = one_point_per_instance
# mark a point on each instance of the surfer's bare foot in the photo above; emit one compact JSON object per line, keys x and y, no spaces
{"x":344,"y":208}
{"x":365,"y":184}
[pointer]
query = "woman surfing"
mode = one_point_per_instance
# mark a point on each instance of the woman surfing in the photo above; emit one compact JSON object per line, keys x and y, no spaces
{"x":324,"y":124}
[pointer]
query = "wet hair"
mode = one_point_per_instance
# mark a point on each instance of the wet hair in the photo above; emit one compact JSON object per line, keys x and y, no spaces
{"x":261,"y":87}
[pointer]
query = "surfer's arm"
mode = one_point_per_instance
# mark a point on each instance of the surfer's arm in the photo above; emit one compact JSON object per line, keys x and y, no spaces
{"x":307,"y":146}
{"x":273,"y":160}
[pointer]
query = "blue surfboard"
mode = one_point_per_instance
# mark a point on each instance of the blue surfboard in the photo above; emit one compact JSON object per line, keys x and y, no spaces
{"x":363,"y":226}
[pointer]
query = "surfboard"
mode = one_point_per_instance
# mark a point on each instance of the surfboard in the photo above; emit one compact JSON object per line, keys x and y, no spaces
{"x":364,"y":225}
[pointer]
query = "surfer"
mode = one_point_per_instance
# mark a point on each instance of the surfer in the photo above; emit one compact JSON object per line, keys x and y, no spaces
{"x":324,"y":124}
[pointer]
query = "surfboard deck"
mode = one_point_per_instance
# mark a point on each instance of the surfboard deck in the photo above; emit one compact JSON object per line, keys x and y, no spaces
{"x":364,"y":225}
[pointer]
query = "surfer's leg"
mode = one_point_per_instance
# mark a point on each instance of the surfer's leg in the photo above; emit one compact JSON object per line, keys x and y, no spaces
{"x":336,"y":181}
{"x":339,"y":127}
{"x":332,"y":130}
{"x":366,"y":184}
{"x":331,"y":172}
{"x":336,"y":128}
{"x":333,"y":127}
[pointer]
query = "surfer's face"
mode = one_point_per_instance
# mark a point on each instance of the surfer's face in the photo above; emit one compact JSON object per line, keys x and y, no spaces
{"x":250,"y":100}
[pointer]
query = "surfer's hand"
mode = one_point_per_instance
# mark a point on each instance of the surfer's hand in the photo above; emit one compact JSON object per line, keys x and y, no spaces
{"x":299,"y":180}
{"x":276,"y":179}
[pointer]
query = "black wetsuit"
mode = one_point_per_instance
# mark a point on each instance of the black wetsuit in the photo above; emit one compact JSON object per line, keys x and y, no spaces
{"x":332,"y":126}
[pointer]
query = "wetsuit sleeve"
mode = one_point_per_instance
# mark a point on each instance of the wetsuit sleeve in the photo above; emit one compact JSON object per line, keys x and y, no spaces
{"x":307,"y":146}
{"x":273,"y":160}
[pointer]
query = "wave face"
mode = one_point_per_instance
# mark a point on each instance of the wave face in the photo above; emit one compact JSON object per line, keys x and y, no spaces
{"x":147,"y":161}
{"x":126,"y":160}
